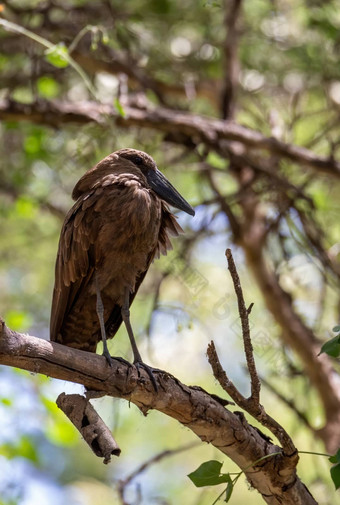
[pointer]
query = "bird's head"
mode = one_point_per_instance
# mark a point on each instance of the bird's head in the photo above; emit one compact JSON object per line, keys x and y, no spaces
{"x":156,"y":180}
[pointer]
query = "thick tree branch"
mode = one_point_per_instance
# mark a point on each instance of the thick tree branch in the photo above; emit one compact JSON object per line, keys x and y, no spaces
{"x":198,"y":128}
{"x":275,"y":478}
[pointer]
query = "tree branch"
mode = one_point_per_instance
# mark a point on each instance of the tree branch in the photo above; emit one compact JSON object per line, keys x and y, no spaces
{"x":275,"y":478}
{"x":295,"y":333}
{"x":251,"y":404}
{"x":290,"y":403}
{"x":124,"y":483}
{"x":231,"y":66}
{"x":90,"y":425}
{"x":199,"y":128}
{"x":244,"y":315}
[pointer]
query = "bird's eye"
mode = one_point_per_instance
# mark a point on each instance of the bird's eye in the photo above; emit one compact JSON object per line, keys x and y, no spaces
{"x":137,"y":160}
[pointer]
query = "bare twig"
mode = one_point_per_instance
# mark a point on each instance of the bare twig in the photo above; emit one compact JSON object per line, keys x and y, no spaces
{"x":244,"y":315}
{"x":290,"y":403}
{"x":225,"y":207}
{"x":252,"y":404}
{"x":122,"y":485}
{"x":297,"y":335}
{"x":257,"y":411}
{"x":155,"y":301}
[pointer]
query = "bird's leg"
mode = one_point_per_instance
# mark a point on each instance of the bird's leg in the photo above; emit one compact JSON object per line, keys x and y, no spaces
{"x":137,"y":359}
{"x":100,"y":314}
{"x":126,"y":318}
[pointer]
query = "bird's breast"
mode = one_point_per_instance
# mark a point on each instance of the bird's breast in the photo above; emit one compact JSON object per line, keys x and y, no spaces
{"x":128,"y":236}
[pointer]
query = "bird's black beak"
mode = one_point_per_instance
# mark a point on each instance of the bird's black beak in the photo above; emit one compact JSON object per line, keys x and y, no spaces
{"x":167,"y":192}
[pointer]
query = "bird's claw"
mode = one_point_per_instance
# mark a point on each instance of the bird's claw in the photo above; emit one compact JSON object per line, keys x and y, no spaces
{"x":110,"y":359}
{"x":138,"y":364}
{"x":148,"y":369}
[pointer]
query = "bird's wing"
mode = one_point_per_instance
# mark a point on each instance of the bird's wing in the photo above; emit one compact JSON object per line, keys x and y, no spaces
{"x":74,"y":265}
{"x":169,"y":226}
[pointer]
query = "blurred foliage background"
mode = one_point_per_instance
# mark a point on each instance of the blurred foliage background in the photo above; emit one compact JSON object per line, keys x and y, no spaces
{"x":169,"y":53}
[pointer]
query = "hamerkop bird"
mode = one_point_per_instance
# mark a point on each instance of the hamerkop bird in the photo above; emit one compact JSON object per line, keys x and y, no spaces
{"x":118,"y":225}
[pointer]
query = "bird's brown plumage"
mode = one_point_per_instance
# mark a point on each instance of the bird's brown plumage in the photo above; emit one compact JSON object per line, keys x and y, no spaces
{"x":114,"y":230}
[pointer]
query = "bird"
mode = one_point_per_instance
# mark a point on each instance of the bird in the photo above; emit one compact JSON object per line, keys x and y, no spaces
{"x":120,"y":222}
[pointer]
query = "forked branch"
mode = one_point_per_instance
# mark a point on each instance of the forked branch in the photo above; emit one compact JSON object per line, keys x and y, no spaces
{"x":252,"y":404}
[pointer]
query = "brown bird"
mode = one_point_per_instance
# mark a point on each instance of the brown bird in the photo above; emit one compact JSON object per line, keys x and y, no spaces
{"x":118,"y":225}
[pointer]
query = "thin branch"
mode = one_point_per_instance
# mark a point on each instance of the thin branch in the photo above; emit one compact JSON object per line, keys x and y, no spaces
{"x":296,"y":334}
{"x":257,"y":411}
{"x":146,"y":465}
{"x":244,"y":315}
{"x":290,"y":403}
{"x":155,"y":302}
{"x":195,"y":127}
{"x":222,"y":200}
{"x":114,"y":63}
{"x":252,"y":404}
{"x":275,"y":478}
{"x":13,"y":192}
{"x":13,"y":27}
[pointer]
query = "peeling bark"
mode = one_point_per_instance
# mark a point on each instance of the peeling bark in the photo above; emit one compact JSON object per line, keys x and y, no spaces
{"x":90,"y":425}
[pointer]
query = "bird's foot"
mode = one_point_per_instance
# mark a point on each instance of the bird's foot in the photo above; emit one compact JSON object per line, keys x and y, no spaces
{"x":108,"y":356}
{"x":140,"y":364}
{"x":110,"y":359}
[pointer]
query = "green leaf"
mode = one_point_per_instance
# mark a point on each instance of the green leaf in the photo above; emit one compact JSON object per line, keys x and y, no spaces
{"x":335,"y":470}
{"x":229,"y":490}
{"x":332,"y":347}
{"x":119,"y":108}
{"x":335,"y":458}
{"x":57,"y":55}
{"x":336,"y":329}
{"x":335,"y":474}
{"x":209,"y":474}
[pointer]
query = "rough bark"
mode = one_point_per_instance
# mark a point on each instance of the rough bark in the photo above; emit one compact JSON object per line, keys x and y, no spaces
{"x":90,"y":425}
{"x":275,"y":478}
